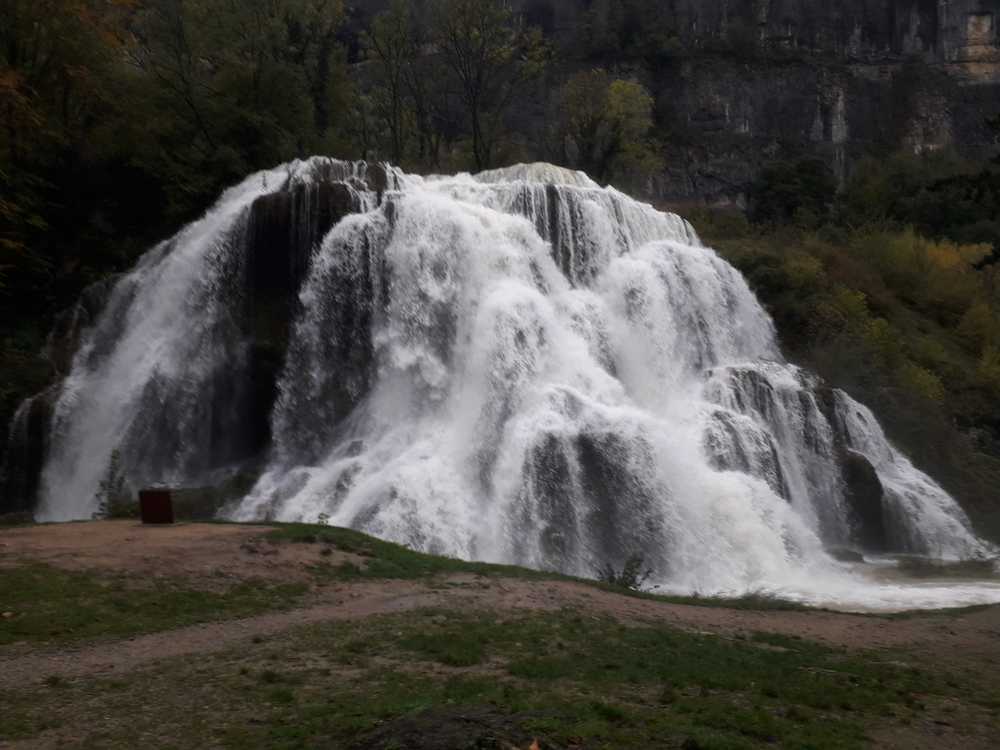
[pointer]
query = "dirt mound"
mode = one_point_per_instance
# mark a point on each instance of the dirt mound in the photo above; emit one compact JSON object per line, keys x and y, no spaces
{"x":468,"y":728}
{"x":204,"y":552}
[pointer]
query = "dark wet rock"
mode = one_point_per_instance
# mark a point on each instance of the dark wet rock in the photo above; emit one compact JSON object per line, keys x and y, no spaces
{"x":549,"y":486}
{"x":622,"y":518}
{"x":27,"y":446}
{"x":844,"y":554}
{"x":826,"y":401}
{"x":745,"y":447}
{"x":863,"y":491}
{"x":585,"y":497}
{"x":203,"y":503}
{"x":865,"y":496}
{"x":284,"y":227}
{"x":377,"y":179}
{"x":316,"y":409}
{"x":753,"y":392}
{"x":64,"y":339}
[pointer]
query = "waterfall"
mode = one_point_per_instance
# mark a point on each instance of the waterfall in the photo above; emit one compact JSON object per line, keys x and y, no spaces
{"x":159,"y":376}
{"x":517,"y":366}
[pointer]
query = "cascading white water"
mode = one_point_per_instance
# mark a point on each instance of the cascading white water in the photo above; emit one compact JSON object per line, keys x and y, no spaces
{"x":166,"y":338}
{"x":922,"y":516}
{"x":515,"y":367}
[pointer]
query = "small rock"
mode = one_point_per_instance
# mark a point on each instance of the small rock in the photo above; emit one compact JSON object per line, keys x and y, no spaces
{"x":7,"y":615}
{"x":843,"y":554}
{"x":439,"y":619}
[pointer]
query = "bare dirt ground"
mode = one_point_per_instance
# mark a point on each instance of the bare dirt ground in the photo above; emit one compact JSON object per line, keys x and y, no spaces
{"x":202,"y":551}
{"x":218,"y":551}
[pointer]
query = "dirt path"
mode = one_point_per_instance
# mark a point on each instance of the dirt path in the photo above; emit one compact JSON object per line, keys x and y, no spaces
{"x":118,"y":657}
{"x":236,"y":552}
{"x":974,"y":636}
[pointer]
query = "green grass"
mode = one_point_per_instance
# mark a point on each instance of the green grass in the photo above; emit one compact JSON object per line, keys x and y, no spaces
{"x":51,"y":605}
{"x":57,"y":606}
{"x":565,"y":677}
{"x":16,"y":519}
{"x":385,"y":560}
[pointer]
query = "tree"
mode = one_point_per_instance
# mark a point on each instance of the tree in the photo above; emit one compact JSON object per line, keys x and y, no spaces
{"x":59,"y":94}
{"x":56,"y":66}
{"x":803,"y":191}
{"x":492,"y":57}
{"x":121,"y":119}
{"x":313,"y":35}
{"x":604,"y":126}
{"x":235,"y":86}
{"x":391,"y":44}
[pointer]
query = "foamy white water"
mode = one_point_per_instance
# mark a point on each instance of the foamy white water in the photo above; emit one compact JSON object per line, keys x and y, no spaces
{"x":517,"y":367}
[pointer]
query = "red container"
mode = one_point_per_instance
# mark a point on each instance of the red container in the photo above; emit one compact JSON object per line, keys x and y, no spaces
{"x":156,"y":506}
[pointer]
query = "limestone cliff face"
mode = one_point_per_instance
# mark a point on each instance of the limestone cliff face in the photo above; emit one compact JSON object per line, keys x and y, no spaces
{"x":754,"y":80}
{"x":952,"y":31}
{"x":747,"y":81}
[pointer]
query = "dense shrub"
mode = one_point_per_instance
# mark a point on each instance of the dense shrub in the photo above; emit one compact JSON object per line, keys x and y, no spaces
{"x":801,"y":191}
{"x":633,"y":574}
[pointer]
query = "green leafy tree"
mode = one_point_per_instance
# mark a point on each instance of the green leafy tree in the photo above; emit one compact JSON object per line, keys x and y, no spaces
{"x":244,"y":84}
{"x":114,"y":498}
{"x":391,"y":44}
{"x":59,"y":101}
{"x":801,"y":191}
{"x":604,"y":127}
{"x":121,"y":119}
{"x":492,"y":57}
{"x":54,"y":56}
{"x":632,"y":576}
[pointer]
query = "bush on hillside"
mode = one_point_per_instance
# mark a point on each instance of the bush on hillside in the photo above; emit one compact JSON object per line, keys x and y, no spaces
{"x":632,"y":576}
{"x":801,"y":191}
{"x":114,"y":498}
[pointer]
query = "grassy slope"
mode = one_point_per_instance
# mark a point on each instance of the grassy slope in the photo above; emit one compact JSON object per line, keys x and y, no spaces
{"x":387,"y":560}
{"x":56,"y":607}
{"x":453,"y":679}
{"x":570,"y":679}
{"x":52,"y":606}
